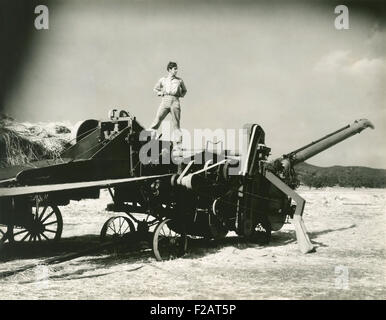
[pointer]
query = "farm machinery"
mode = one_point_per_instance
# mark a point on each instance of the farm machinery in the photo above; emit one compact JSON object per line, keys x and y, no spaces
{"x":179,"y":195}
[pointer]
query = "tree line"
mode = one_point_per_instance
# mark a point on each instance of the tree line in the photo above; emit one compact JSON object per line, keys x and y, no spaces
{"x":354,"y":177}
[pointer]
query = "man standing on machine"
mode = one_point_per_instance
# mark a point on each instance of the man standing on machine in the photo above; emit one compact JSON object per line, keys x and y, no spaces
{"x":171,"y":88}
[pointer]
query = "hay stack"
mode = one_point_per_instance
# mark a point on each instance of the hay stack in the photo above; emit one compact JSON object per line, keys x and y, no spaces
{"x":22,"y":143}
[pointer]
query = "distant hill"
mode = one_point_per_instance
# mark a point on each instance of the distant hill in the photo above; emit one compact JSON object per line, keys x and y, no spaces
{"x":356,"y":177}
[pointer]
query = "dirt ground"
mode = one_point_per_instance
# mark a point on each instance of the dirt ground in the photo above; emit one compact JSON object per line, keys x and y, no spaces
{"x":347,"y":227}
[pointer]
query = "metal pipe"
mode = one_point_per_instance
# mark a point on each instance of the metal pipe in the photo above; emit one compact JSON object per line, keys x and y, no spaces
{"x":315,"y":147}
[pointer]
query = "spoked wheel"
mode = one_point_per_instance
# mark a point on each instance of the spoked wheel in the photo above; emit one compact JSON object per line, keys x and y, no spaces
{"x":262,"y":232}
{"x":115,"y":228}
{"x":217,"y":229}
{"x":3,"y":235}
{"x":45,"y":224}
{"x":168,"y":244}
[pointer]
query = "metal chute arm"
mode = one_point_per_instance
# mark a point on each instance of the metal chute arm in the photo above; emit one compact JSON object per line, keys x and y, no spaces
{"x":304,"y":241}
{"x":315,"y":147}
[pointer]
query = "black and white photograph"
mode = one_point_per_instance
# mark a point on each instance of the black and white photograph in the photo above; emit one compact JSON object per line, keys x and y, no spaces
{"x":210,"y":150}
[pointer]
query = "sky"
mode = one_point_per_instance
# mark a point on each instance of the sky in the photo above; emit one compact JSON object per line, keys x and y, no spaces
{"x":282,"y":65}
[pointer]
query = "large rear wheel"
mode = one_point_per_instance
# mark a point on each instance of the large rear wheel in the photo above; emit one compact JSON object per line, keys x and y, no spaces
{"x":261,"y":233}
{"x":46,"y":223}
{"x":3,"y":235}
{"x":168,"y":244}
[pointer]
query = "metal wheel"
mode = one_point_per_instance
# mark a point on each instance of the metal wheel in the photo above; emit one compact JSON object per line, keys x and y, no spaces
{"x":46,"y":223}
{"x":115,"y":228}
{"x":217,"y":228}
{"x":262,"y":232}
{"x":168,"y":244}
{"x":3,"y":235}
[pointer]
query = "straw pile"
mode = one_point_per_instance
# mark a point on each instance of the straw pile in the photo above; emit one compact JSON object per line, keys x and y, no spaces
{"x":25,"y":142}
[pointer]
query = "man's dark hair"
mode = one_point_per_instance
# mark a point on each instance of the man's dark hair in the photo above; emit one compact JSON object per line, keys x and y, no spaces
{"x":171,"y":65}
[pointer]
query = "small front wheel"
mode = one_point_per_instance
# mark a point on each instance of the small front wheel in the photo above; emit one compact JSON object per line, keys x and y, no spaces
{"x":116,"y":228}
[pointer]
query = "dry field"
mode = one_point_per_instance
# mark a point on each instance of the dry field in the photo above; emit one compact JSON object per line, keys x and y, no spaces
{"x":347,"y":226}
